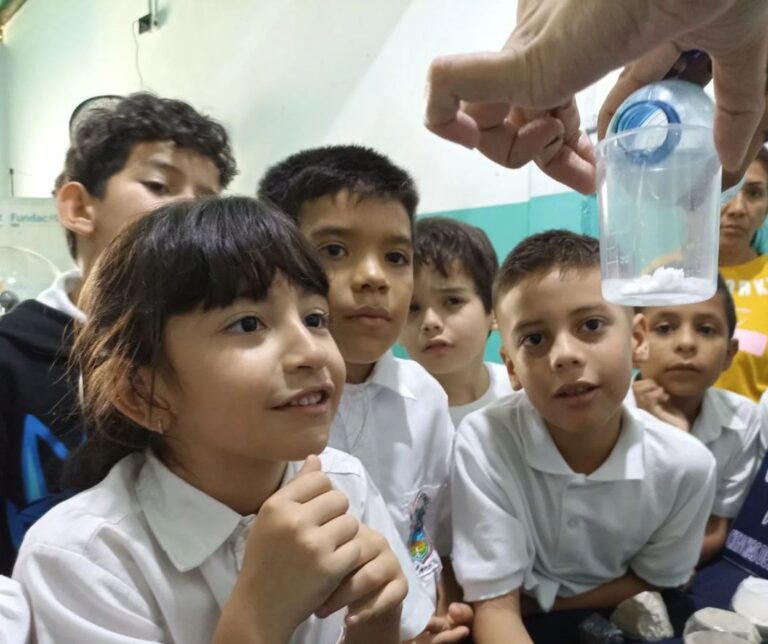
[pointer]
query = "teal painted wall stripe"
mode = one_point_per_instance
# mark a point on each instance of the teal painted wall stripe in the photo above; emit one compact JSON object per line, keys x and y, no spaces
{"x":508,"y":224}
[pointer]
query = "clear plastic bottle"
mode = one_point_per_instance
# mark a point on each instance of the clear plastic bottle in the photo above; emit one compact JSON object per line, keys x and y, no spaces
{"x":659,"y":197}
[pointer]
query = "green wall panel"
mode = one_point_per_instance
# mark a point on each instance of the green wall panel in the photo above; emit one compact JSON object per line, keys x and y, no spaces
{"x":508,"y":224}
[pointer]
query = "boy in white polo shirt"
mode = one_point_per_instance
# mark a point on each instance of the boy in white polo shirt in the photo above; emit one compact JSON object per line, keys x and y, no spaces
{"x":690,"y":346}
{"x":451,"y":314}
{"x":563,"y":497}
{"x":357,"y":208}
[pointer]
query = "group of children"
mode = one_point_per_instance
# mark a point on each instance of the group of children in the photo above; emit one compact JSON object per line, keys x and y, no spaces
{"x":253,"y":464}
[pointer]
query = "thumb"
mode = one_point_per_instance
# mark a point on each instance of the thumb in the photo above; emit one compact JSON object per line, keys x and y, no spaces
{"x":312,"y":464}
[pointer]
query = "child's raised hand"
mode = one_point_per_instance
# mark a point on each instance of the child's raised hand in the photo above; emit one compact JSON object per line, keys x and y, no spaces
{"x":299,"y":549}
{"x":454,"y":626}
{"x":652,"y":397}
{"x":374,"y":592}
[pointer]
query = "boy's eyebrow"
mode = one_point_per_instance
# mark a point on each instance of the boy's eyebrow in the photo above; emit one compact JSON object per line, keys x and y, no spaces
{"x":590,"y":308}
{"x":453,"y":289}
{"x":340,"y":231}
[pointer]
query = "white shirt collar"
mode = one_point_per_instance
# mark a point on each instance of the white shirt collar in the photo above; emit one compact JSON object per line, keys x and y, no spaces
{"x":715,"y":415}
{"x":57,"y":294}
{"x":386,"y":374}
{"x":625,"y":461}
{"x":189,"y":525}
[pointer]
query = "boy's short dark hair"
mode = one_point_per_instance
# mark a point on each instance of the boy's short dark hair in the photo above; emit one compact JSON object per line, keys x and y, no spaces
{"x":102,"y":143}
{"x":730,"y":308}
{"x":728,"y":305}
{"x":442,"y":243}
{"x":553,"y":249}
{"x":326,"y":171}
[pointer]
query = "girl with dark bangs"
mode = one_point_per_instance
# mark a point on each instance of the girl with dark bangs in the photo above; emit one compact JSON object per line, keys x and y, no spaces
{"x":209,"y":376}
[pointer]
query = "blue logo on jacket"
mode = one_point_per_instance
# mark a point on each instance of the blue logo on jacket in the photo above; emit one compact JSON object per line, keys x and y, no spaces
{"x":37,"y":495}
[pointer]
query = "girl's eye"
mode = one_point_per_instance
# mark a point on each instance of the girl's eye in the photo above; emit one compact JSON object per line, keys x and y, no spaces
{"x":532,"y":340}
{"x":593,"y":325}
{"x":316,"y":321}
{"x":454,"y":301}
{"x":414,"y":308}
{"x":398,"y":258}
{"x":156,"y":187}
{"x":334,"y":251}
{"x":247,"y":324}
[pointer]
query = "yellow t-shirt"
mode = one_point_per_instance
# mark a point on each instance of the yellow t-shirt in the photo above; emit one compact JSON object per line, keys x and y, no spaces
{"x":748,"y":283}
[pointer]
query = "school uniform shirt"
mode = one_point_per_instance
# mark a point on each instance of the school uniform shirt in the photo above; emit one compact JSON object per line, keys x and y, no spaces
{"x":523,"y":519}
{"x":14,"y":613}
{"x":748,"y":283}
{"x":763,"y":427}
{"x":729,"y":426}
{"x":40,"y":423}
{"x":145,"y":557}
{"x":498,"y":387}
{"x":397,"y":424}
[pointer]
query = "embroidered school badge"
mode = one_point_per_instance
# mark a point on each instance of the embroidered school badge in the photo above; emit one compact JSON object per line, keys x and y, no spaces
{"x":419,"y":543}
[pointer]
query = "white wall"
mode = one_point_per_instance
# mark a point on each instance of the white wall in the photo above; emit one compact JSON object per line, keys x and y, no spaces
{"x":4,"y":182}
{"x":280,"y":74}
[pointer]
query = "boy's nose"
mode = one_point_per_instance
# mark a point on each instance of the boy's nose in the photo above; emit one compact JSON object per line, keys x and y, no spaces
{"x":686,"y":340}
{"x":431,"y":322}
{"x":370,"y":275}
{"x":565,"y":353}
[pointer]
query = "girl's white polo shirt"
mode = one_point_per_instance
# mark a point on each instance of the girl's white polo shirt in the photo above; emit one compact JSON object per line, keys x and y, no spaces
{"x":523,"y":519}
{"x":146,"y":557}
{"x":14,"y":613}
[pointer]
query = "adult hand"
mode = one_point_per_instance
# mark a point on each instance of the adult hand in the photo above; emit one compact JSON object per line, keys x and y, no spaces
{"x":504,"y":103}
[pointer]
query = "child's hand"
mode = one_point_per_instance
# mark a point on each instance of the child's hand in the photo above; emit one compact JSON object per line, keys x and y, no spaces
{"x":300,"y":547}
{"x":651,"y":397}
{"x":377,"y":587}
{"x":454,"y":626}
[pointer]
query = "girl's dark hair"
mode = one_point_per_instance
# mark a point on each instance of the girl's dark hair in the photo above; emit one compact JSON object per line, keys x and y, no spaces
{"x":102,"y":143}
{"x":184,"y":256}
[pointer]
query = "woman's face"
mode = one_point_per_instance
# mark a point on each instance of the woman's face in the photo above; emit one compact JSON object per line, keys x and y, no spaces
{"x":743,"y":215}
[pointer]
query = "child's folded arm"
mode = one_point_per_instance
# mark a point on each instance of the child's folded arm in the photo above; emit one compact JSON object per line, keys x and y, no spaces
{"x":606,"y":595}
{"x":498,"y":621}
{"x":714,"y":536}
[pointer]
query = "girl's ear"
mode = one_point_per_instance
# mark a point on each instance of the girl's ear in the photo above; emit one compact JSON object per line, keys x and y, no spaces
{"x":139,"y":400}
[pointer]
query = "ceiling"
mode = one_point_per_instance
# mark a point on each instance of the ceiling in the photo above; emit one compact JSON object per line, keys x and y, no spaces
{"x":7,"y":9}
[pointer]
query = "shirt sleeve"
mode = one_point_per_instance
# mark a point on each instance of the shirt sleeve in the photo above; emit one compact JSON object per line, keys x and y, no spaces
{"x":491,"y":552}
{"x":417,"y":606}
{"x":669,"y":557}
{"x":74,"y":600}
{"x":738,"y":472}
{"x":14,"y":613}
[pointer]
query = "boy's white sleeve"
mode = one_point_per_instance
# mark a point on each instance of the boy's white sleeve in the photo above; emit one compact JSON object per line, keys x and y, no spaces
{"x":14,"y":613}
{"x":669,"y":557}
{"x":737,"y":474}
{"x":492,"y":554}
{"x":74,"y":600}
{"x":417,"y":606}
